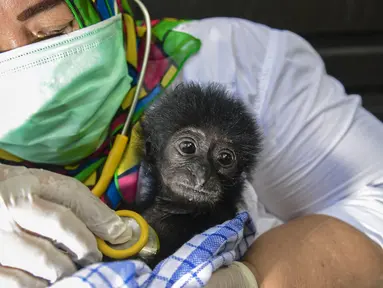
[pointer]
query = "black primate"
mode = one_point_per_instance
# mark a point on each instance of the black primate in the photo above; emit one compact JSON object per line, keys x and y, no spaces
{"x":199,"y":145}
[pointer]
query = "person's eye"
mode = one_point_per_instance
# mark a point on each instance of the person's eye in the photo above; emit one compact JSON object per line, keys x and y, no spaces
{"x":226,"y":158}
{"x":187,"y":147}
{"x":58,"y":31}
{"x":53,"y":32}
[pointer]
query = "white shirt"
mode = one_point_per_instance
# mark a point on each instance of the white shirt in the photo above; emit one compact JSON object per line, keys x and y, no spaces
{"x":323,"y":153}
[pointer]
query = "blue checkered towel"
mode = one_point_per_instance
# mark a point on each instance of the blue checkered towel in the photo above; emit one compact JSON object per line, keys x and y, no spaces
{"x":191,"y":266}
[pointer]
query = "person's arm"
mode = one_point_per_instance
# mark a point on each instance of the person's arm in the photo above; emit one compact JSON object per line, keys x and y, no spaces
{"x":312,"y":251}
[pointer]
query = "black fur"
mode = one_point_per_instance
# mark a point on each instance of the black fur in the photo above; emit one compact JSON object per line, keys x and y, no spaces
{"x":213,"y":110}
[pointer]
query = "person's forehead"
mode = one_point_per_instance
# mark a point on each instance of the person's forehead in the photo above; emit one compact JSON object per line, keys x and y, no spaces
{"x":26,"y":8}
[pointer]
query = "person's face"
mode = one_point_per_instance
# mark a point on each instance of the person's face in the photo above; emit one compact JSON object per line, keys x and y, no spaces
{"x":23,"y":22}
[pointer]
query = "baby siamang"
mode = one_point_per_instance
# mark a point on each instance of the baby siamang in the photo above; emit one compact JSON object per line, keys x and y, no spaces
{"x":199,"y":144}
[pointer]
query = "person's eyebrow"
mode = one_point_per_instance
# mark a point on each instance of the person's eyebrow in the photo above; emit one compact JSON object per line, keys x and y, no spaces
{"x":42,"y":6}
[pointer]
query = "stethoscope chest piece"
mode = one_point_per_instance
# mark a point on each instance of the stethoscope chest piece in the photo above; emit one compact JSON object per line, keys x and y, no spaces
{"x":143,"y":244}
{"x":152,"y":246}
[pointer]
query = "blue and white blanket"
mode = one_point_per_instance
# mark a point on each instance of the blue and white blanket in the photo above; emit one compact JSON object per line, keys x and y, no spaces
{"x":191,"y":266}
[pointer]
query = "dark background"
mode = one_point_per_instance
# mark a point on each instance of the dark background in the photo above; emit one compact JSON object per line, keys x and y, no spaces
{"x":348,"y":34}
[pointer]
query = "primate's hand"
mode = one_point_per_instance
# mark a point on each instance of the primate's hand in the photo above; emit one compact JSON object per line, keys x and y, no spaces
{"x":47,"y":223}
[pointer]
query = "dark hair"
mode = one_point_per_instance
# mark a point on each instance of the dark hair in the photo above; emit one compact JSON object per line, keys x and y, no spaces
{"x":209,"y":107}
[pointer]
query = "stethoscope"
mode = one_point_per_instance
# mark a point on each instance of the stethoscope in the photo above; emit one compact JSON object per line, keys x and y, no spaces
{"x":115,"y":156}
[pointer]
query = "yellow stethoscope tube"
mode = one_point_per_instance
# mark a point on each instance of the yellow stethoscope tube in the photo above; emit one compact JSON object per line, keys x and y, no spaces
{"x":111,"y":164}
{"x":115,"y":156}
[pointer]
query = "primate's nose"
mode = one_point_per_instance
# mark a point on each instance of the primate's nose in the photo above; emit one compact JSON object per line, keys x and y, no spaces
{"x":202,"y":175}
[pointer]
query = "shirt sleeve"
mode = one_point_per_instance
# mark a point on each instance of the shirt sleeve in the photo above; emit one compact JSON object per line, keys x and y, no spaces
{"x":224,"y":55}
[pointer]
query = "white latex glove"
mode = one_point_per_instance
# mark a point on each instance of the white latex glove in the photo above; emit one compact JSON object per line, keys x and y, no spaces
{"x":48,"y":222}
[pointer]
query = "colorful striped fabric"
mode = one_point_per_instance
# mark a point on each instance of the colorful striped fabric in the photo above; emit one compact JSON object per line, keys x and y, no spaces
{"x":169,"y":50}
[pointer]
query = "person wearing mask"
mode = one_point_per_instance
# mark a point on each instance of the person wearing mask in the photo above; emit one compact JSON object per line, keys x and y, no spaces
{"x":68,"y":72}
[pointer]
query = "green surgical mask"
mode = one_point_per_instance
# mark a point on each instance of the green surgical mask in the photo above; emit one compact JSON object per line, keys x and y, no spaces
{"x":60,"y":95}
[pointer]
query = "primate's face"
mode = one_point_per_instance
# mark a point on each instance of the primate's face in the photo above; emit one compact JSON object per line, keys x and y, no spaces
{"x":200,"y":144}
{"x":198,"y":165}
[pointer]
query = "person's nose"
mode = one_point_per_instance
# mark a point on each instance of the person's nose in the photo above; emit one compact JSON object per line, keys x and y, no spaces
{"x":14,"y":38}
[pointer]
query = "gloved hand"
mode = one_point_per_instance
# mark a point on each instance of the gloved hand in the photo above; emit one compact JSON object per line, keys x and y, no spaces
{"x":47,"y":223}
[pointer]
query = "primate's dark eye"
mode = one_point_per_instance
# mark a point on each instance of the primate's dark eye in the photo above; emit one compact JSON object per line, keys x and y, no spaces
{"x":225,"y":158}
{"x":187,"y":147}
